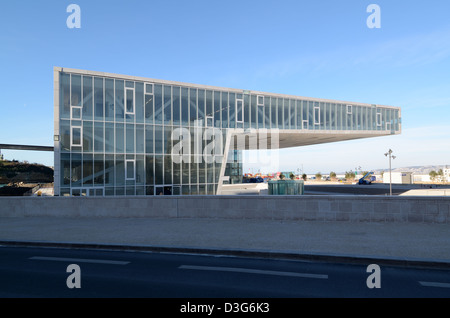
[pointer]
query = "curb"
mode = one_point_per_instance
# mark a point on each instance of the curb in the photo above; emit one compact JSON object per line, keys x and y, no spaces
{"x":316,"y":257}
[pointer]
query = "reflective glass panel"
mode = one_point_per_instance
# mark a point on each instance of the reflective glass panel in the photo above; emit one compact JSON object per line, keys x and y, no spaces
{"x":99,"y":170}
{"x":88,"y":170}
{"x":64,"y":107}
{"x":87,"y":97}
{"x":130,"y":138}
{"x":120,"y":170}
{"x":224,"y":109}
{"x":158,"y":104}
{"x":139,"y":102}
{"x":109,"y":137}
{"x":167,"y":104}
{"x":119,"y":101}
{"x":76,"y":90}
{"x":149,"y":170}
{"x":148,"y":108}
{"x":159,"y":168}
{"x":98,"y":98}
{"x":98,"y":137}
{"x":176,"y":105}
{"x":109,"y":99}
{"x":88,"y":139}
{"x":130,"y":100}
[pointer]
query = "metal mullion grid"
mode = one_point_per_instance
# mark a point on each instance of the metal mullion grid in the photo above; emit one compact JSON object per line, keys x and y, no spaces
{"x":291,"y":113}
{"x":104,"y":134}
{"x":257,"y":111}
{"x":134,"y":141}
{"x":124,"y":134}
{"x":330,"y":116}
{"x":270,"y":112}
{"x":189,"y":129}
{"x":171,"y":131}
{"x":180,"y":165}
{"x":220,"y":113}
{"x":153,"y":138}
{"x":335,"y":117}
{"x":115,"y":137}
{"x":134,"y":100}
{"x":295,"y":113}
{"x":163,"y":123}
{"x":249,"y":110}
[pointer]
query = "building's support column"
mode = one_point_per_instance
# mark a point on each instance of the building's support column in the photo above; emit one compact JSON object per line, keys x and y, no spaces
{"x":56,"y":138}
{"x":224,"y":160}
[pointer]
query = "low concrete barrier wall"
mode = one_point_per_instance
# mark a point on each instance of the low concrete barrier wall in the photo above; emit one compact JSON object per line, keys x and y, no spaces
{"x":309,"y":208}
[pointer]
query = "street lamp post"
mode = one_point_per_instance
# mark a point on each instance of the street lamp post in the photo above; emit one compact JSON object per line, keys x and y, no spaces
{"x":389,"y":153}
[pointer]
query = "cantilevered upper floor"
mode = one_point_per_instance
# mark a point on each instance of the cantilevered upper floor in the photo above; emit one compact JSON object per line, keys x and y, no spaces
{"x":299,"y":121}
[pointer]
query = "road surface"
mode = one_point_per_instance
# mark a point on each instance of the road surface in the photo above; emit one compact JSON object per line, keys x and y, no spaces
{"x":43,"y":272}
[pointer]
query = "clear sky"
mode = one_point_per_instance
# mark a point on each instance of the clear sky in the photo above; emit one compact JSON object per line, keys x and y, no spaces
{"x":320,"y":49}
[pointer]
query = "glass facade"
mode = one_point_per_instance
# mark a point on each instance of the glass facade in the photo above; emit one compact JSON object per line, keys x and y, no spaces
{"x":117,"y":135}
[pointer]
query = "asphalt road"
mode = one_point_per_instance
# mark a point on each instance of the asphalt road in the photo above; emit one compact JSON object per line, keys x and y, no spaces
{"x":43,"y":273}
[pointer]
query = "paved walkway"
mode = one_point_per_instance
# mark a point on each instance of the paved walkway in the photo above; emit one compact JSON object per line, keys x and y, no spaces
{"x":389,"y":241}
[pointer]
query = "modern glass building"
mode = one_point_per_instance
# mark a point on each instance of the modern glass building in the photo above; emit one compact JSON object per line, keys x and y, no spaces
{"x":121,"y":135}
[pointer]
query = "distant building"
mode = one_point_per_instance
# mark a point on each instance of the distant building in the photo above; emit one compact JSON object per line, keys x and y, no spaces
{"x":446,"y":171}
{"x":398,"y":177}
{"x":419,"y":178}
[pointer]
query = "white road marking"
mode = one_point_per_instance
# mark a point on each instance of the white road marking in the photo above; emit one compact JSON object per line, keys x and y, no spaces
{"x":435,"y":284}
{"x":78,"y":260}
{"x":253,"y":271}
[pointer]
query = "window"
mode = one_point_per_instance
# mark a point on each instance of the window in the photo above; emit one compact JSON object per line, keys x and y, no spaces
{"x":239,"y":110}
{"x":349,"y":109}
{"x":260,"y":100}
{"x":316,"y":115}
{"x":76,"y":112}
{"x":167,"y":104}
{"x":76,"y":91}
{"x":305,"y":124}
{"x":148,"y":108}
{"x":378,"y":118}
{"x":76,"y":136}
{"x":209,"y":121}
{"x":148,"y":88}
{"x":129,"y":97}
{"x":130,"y":169}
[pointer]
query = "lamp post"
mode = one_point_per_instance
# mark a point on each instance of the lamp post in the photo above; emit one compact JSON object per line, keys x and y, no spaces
{"x":389,"y":153}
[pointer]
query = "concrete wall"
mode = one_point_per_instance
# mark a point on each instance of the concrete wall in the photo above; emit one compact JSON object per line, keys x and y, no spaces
{"x":309,"y":208}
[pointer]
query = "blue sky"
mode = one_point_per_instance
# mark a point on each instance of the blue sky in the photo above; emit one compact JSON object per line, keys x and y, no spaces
{"x":318,"y":49}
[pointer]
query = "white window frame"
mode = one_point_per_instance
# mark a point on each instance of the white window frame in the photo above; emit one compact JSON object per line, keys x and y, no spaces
{"x":126,"y":101}
{"x":316,"y":108}
{"x":81,"y":136}
{"x":379,"y":119}
{"x":153,"y":88}
{"x":257,"y":100}
{"x":305,"y":124}
{"x":212,"y":121}
{"x":349,"y":109}
{"x":126,"y":169}
{"x":242,"y":111}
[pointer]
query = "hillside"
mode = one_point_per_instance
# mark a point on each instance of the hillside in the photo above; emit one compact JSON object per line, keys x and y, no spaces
{"x":415,"y":169}
{"x":15,"y":172}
